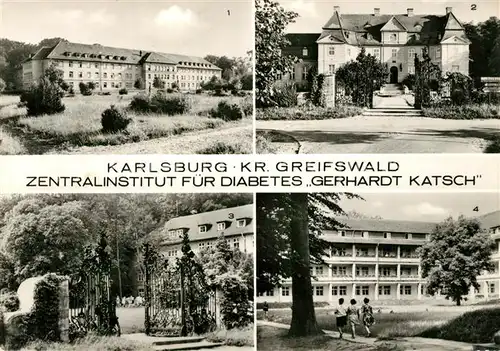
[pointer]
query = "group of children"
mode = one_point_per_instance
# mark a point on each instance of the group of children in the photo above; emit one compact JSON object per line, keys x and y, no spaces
{"x":354,"y":316}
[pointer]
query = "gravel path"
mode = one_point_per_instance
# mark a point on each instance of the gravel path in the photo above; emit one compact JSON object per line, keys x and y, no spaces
{"x":187,"y":143}
{"x":363,"y":134}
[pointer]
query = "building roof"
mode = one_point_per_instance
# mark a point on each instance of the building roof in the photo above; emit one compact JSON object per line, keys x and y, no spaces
{"x":387,"y":225}
{"x":65,"y":50}
{"x":299,"y":41}
{"x":490,"y":220}
{"x":366,"y":29}
{"x":210,"y":219}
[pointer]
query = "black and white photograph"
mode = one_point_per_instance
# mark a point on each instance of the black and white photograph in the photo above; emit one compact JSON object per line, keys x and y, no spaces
{"x":127,"y":272}
{"x":126,"y":77}
{"x":378,"y":271}
{"x":371,"y":77}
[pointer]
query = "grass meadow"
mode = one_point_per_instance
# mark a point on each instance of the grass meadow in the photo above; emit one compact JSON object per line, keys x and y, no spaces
{"x":80,"y":124}
{"x":473,"y":323}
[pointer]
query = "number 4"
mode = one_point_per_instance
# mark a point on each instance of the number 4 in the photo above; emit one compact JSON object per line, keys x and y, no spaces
{"x":473,"y":7}
{"x":476,"y":209}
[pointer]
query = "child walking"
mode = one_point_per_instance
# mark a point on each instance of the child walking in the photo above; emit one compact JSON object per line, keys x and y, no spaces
{"x":353,"y":317}
{"x":341,"y":314}
{"x":367,"y":316}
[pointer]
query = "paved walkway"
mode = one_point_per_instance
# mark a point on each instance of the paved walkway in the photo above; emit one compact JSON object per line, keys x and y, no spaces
{"x":412,"y":343}
{"x":365,"y":134}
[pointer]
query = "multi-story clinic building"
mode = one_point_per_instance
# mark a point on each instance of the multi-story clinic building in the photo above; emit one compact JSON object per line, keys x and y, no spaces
{"x":235,"y":223}
{"x":378,"y":259}
{"x":394,"y":39}
{"x":114,"y":68}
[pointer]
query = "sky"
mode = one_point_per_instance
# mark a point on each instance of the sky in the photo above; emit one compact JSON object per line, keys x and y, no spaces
{"x":432,"y":207}
{"x":314,"y":14}
{"x":183,"y":27}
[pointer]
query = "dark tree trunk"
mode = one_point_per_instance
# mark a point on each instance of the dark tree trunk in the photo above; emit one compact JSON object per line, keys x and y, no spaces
{"x":303,"y":315}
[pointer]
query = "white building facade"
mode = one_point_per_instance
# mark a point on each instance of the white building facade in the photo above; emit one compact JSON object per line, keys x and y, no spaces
{"x":378,"y":259}
{"x":395,"y":39}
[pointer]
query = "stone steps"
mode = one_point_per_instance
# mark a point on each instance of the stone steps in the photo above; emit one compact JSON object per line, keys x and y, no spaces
{"x":188,"y":346}
{"x":393,"y":112}
{"x":173,"y":343}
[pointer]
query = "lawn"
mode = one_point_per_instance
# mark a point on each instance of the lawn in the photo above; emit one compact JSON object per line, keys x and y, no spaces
{"x":80,"y":124}
{"x":274,"y":339}
{"x":91,"y":342}
{"x":474,"y":324}
{"x":10,"y":145}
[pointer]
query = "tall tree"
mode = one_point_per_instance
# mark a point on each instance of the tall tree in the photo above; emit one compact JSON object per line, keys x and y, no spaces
{"x":458,"y":251}
{"x":289,"y":228}
{"x":271,"y":20}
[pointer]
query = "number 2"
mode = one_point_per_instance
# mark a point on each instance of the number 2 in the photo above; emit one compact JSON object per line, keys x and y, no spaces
{"x":473,"y":7}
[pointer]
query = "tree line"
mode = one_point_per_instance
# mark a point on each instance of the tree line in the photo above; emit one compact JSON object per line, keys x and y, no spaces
{"x":48,"y":233}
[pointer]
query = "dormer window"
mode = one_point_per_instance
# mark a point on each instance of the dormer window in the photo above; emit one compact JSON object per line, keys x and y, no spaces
{"x":202,"y":229}
{"x":341,"y":233}
{"x":346,"y":34}
{"x":221,"y":226}
{"x":305,"y":52}
{"x":241,"y":223}
{"x":368,"y":36}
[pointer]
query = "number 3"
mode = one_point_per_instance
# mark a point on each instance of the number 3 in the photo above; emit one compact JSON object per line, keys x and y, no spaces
{"x":473,"y":7}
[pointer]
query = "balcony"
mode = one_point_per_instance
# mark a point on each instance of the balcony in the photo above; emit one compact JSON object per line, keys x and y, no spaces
{"x":369,"y":254}
{"x":409,"y":276}
{"x":341,"y":277}
{"x":388,"y":277}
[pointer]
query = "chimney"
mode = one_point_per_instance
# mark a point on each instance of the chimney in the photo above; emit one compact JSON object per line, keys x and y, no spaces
{"x":409,"y":12}
{"x":376,"y":11}
{"x":448,"y":10}
{"x":336,"y":9}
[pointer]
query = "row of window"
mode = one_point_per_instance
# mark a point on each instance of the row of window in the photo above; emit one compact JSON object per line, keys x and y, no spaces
{"x":71,"y":74}
{"x":341,"y":290}
{"x":365,"y":252}
{"x":81,"y":64}
{"x":387,"y":235}
{"x":319,"y":271}
{"x":108,"y":84}
{"x":204,"y":228}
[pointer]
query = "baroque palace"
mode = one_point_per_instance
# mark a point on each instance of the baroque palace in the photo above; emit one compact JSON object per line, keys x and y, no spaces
{"x":114,"y":68}
{"x":377,"y":259}
{"x":235,"y":223}
{"x":394,"y":39}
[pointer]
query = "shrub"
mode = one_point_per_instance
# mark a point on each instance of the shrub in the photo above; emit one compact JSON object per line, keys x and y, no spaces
{"x":114,"y":120}
{"x":409,"y":81}
{"x":170,"y":90}
{"x":305,"y":113}
{"x":86,"y":88}
{"x":9,"y":302}
{"x":285,"y":95}
{"x":43,"y":98}
{"x":221,"y":148}
{"x":470,"y":111}
{"x":247,"y":106}
{"x":140,"y":103}
{"x":493,"y":147}
{"x":199,"y":91}
{"x":158,"y":83}
{"x":123,"y":91}
{"x":234,"y":337}
{"x":160,"y":103}
{"x":219,"y":92}
{"x":170,"y":105}
{"x":227,"y":111}
{"x":138,"y":83}
{"x":235,"y":307}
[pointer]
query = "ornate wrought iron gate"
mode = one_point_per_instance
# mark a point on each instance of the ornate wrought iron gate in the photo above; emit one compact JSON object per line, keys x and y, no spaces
{"x":91,"y":306}
{"x":174,"y":305}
